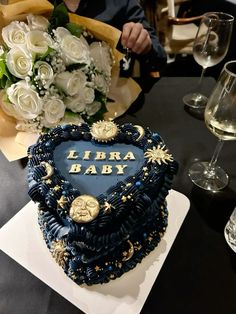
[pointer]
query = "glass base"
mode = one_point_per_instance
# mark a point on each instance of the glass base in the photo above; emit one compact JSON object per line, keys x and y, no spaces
{"x":230,"y":235}
{"x":195,"y":100}
{"x":208,"y":180}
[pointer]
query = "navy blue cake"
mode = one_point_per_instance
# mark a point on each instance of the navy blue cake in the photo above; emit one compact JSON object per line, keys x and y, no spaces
{"x":102,"y":196}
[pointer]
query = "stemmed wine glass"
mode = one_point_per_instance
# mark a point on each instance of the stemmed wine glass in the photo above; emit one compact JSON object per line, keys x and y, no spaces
{"x":220,"y":118}
{"x":210,"y":47}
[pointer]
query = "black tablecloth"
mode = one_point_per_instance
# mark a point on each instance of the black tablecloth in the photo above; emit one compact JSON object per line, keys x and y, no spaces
{"x":199,"y":274}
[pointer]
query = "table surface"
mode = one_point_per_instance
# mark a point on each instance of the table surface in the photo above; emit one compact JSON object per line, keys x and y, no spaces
{"x":199,"y":274}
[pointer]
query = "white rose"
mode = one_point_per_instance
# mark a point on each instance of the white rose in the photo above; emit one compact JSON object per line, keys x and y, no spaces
{"x":101,"y":83}
{"x":8,"y":107}
{"x":72,"y":48}
{"x":38,"y":42}
{"x":1,"y":51}
{"x":15,"y":33}
{"x":71,"y":82}
{"x":61,"y":32}
{"x":38,"y":22}
{"x":100,"y":52}
{"x":87,"y":95}
{"x":93,"y":108}
{"x":77,"y":103}
{"x":19,"y":62}
{"x":54,"y":110}
{"x":44,"y":73}
{"x":26,"y":101}
{"x":74,"y":103}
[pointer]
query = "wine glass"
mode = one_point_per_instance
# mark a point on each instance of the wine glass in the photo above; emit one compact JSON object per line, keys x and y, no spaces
{"x":220,"y":118}
{"x":210,"y":47}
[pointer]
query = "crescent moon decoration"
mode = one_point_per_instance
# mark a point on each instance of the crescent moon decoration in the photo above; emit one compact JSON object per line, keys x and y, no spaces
{"x":130,"y":253}
{"x":141,"y":132}
{"x":48,"y":168}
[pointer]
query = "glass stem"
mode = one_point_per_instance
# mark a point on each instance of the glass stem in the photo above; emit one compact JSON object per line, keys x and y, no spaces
{"x":199,"y":85}
{"x":211,"y":167}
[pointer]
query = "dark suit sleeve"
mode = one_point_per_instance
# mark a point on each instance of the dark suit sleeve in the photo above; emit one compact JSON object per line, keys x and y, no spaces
{"x":155,"y":60}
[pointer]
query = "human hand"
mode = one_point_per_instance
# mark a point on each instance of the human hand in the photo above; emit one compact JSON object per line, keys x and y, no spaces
{"x":135,"y":37}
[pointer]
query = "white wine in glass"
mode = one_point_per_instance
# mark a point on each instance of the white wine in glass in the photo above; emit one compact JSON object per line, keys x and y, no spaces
{"x":210,"y":47}
{"x":220,"y":118}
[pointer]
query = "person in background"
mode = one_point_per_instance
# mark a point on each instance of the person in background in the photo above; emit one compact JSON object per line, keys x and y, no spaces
{"x":138,"y":40}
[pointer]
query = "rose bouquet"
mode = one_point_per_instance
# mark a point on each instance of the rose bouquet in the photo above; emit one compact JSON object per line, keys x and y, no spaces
{"x":53,"y":72}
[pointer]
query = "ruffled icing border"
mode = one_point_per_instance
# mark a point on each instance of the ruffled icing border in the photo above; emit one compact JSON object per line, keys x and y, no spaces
{"x":130,"y":198}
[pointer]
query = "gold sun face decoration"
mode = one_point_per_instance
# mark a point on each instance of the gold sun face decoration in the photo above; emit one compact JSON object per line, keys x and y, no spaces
{"x":104,"y":131}
{"x":158,"y":155}
{"x":59,"y":252}
{"x":84,"y":208}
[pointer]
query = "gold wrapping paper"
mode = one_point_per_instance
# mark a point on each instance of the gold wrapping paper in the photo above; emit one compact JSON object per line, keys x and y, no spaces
{"x":123,"y":91}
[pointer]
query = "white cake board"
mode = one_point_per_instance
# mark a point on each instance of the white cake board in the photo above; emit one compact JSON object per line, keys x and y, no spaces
{"x":22,"y":240}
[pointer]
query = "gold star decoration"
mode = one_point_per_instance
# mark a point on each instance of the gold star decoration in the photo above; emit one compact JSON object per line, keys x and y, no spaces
{"x":107,"y":207}
{"x":118,"y":264}
{"x":158,"y":155}
{"x":97,"y":268}
{"x":124,"y":198}
{"x":74,"y":277}
{"x":56,"y":188}
{"x":48,"y":181}
{"x":62,"y":201}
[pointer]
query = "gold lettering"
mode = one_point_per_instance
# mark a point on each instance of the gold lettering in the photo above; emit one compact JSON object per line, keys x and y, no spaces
{"x":91,"y":170}
{"x":129,"y":156}
{"x":106,"y":169}
{"x":87,"y":155}
{"x":100,"y":156}
{"x":120,"y":168}
{"x":114,"y":156}
{"x":75,"y":168}
{"x":72,"y":154}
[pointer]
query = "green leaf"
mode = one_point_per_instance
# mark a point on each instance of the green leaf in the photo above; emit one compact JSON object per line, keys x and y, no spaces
{"x":3,"y":82}
{"x":75,"y":66}
{"x":8,"y":83}
{"x":3,"y":70}
{"x":74,"y":29}
{"x":100,"y":97}
{"x":6,"y":79}
{"x":45,"y":130}
{"x":110,"y":100}
{"x":97,"y":116}
{"x":44,"y":56}
{"x":69,"y":113}
{"x":59,"y":16}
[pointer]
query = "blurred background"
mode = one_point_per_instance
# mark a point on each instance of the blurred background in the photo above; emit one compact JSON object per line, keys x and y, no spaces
{"x":176,"y":23}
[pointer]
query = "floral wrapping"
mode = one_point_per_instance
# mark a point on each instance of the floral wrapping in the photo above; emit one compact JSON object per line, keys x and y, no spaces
{"x":52,"y":76}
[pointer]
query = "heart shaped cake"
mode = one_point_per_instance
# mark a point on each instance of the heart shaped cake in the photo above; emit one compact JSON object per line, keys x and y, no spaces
{"x":102,"y":196}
